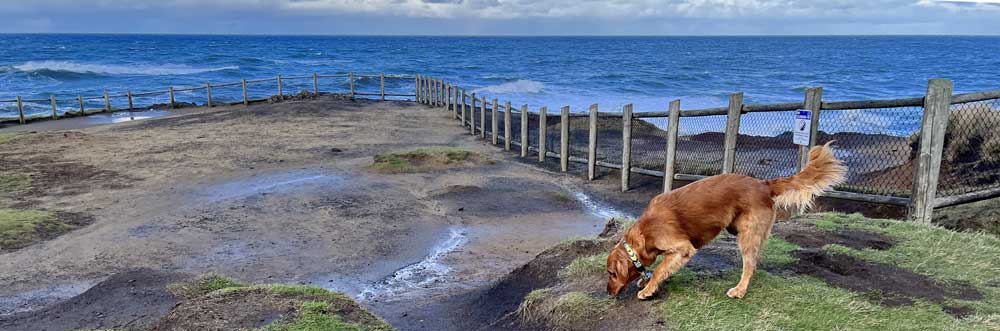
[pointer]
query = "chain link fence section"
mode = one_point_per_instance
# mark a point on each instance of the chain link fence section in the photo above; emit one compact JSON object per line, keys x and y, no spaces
{"x":609,"y":138}
{"x":971,"y":158}
{"x":553,"y":131}
{"x":764,"y":147}
{"x":877,"y":145}
{"x":700,"y":145}
{"x":649,"y":143}
{"x":579,"y":135}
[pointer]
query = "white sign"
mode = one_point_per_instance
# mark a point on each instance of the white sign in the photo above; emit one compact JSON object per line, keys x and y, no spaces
{"x":803,"y":127}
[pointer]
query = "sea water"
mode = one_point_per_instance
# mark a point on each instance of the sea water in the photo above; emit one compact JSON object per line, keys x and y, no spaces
{"x":538,"y":71}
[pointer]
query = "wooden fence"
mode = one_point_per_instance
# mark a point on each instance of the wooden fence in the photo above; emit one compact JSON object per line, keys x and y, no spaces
{"x":277,"y":85}
{"x":902,"y":169}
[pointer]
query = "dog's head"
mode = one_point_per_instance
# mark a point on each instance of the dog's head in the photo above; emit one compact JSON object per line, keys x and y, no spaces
{"x":621,"y":271}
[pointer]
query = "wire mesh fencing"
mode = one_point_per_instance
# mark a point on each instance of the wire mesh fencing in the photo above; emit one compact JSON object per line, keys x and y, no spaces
{"x":609,"y":139}
{"x":971,"y":158}
{"x":877,"y":145}
{"x":700,"y":143}
{"x":579,"y":136}
{"x":649,"y":143}
{"x":764,"y":147}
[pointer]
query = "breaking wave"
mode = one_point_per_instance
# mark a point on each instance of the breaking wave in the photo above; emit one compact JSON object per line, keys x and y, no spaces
{"x":111,"y":69}
{"x":518,"y":86}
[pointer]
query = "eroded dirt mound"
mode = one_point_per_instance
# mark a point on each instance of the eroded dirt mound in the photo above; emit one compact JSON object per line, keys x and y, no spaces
{"x":890,"y":285}
{"x":128,"y":300}
{"x":495,"y":306}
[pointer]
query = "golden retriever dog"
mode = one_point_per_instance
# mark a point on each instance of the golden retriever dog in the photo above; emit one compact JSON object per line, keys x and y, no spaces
{"x":677,"y":223}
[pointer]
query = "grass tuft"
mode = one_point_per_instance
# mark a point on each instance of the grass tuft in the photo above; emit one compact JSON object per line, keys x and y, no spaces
{"x":319,"y":316}
{"x":778,"y":252}
{"x":204,"y":285}
{"x":20,"y":228}
{"x":584,"y":267}
{"x":11,"y":185}
{"x":424,"y":159}
{"x":7,"y":137}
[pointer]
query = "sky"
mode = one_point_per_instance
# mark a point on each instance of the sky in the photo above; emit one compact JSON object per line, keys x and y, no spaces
{"x":503,"y":17}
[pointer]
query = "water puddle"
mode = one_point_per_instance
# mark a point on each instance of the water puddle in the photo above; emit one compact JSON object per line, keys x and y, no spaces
{"x":600,"y":210}
{"x":120,"y":117}
{"x":40,"y":298}
{"x":267,"y":184}
{"x":419,"y":275}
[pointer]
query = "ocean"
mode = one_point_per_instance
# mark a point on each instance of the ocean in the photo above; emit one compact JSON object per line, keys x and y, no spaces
{"x":539,"y":71}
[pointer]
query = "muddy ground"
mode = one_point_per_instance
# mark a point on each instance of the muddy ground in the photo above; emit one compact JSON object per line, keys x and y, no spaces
{"x":278,"y":193}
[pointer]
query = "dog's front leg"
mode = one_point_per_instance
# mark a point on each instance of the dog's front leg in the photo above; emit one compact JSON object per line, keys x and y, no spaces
{"x":673,"y":259}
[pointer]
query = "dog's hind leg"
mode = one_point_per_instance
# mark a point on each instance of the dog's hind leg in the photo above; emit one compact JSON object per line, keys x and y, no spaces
{"x":754,"y":228}
{"x":675,"y":256}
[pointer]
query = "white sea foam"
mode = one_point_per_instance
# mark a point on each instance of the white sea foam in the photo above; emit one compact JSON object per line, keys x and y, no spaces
{"x":518,"y":86}
{"x":420,"y":274}
{"x":112,"y":69}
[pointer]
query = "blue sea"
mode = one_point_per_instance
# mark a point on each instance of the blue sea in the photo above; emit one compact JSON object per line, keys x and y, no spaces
{"x":538,"y":71}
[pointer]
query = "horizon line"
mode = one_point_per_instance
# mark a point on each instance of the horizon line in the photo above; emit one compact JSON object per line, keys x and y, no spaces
{"x":497,"y":35}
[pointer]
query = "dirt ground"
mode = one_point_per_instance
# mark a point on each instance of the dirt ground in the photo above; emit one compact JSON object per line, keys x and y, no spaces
{"x":278,"y":193}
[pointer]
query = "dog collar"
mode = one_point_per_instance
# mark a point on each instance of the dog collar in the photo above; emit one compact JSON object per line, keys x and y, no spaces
{"x":646,"y":274}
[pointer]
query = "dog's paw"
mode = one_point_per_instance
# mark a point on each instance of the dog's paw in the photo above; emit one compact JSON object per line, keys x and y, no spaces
{"x":646,"y":293}
{"x":736,"y":293}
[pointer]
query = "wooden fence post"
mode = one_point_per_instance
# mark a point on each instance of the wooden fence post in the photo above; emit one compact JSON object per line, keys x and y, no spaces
{"x":456,"y":102}
{"x":316,"y":84}
{"x":381,"y":81}
{"x":506,"y":126}
{"x":52,"y":98}
{"x":542,"y":127}
{"x":564,"y":139}
{"x":732,"y":131}
{"x":416,"y":88}
{"x":351,"y":82}
{"x":464,"y":105}
{"x":813,"y":102}
{"x":592,"y":144}
{"x":172,"y":100}
{"x":626,"y":146}
{"x":472,"y":115}
{"x":524,"y":130}
{"x":130,"y":100}
{"x":281,"y":92}
{"x":495,"y":125}
{"x":246,"y":98}
{"x":79,"y":99}
{"x":482,"y":119}
{"x":20,"y":110}
{"x":673,"y":126}
{"x":208,"y":88}
{"x":932,"y":132}
{"x":107,"y":102}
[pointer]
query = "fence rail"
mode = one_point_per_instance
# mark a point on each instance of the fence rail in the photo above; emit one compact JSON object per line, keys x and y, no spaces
{"x":249,"y":88}
{"x":938,"y":150}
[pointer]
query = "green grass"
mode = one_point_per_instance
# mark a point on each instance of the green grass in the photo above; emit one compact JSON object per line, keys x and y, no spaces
{"x":11,"y":185}
{"x":778,"y":252}
{"x":424,"y":159}
{"x":204,"y":285}
{"x":7,"y":137}
{"x":697,"y":301}
{"x":318,"y":307}
{"x":20,"y":228}
{"x":793,"y":303}
{"x":586,"y":266}
{"x":319,"y":316}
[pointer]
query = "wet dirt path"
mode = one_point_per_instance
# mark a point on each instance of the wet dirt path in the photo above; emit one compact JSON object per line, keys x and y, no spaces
{"x":281,"y":194}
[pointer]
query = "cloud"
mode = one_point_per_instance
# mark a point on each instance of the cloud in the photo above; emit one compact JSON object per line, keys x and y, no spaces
{"x":506,"y":16}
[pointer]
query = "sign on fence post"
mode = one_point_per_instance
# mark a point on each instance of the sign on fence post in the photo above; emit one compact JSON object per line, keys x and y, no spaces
{"x":802,"y":132}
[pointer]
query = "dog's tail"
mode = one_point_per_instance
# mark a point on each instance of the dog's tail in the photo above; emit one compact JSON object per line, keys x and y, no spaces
{"x":822,"y":171}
